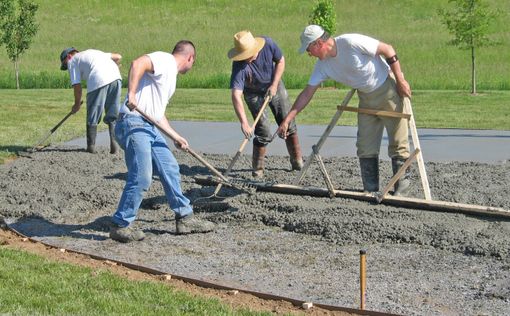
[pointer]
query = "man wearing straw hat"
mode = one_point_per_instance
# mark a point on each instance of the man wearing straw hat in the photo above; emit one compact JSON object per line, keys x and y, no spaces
{"x":257,"y":69}
{"x":372,"y":67}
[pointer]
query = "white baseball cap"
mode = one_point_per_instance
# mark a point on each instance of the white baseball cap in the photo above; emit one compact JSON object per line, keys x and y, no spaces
{"x":310,"y":34}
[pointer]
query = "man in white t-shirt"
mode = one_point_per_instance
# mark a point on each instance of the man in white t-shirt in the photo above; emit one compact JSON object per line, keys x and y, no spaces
{"x":152,"y":80}
{"x":371,"y":67}
{"x":104,"y":83}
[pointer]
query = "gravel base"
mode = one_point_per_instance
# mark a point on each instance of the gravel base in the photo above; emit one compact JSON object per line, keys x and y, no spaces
{"x":418,"y":262}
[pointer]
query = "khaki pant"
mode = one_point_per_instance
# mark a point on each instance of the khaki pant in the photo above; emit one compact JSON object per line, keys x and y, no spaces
{"x":370,"y":127}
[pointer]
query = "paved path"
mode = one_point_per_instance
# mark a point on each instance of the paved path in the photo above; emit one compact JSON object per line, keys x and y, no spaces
{"x":438,"y":145}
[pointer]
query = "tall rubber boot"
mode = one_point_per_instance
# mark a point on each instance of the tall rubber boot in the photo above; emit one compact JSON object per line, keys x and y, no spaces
{"x":294,"y":149}
{"x":370,"y":174}
{"x":403,"y":185}
{"x":259,"y":154}
{"x":114,"y":147}
{"x":91,"y":138}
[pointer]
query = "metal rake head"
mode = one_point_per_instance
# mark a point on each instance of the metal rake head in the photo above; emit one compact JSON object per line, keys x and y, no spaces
{"x":240,"y":184}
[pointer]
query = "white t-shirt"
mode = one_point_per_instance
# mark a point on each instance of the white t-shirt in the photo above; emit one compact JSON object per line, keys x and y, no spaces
{"x":355,"y":64}
{"x":94,"y":66}
{"x":155,"y":89}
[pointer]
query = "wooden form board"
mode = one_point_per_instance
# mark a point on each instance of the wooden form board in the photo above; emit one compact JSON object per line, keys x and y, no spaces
{"x":414,"y":203}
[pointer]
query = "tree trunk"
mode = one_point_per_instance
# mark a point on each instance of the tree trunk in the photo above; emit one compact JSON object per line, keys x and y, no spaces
{"x":473,"y":71}
{"x":16,"y":71}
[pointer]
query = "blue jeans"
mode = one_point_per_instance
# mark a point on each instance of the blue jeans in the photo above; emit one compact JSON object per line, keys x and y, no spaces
{"x":145,"y":151}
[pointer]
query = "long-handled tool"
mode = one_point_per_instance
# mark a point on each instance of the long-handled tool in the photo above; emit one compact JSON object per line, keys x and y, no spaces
{"x":188,"y":150}
{"x":243,"y":144}
{"x":47,"y":135}
{"x":324,"y":136}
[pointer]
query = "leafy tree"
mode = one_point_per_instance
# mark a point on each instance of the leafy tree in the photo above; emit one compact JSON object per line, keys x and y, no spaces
{"x":17,"y":27}
{"x":469,"y":22}
{"x":323,"y":14}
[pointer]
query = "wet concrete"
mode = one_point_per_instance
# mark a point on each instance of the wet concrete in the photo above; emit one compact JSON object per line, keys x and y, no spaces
{"x":418,"y":262}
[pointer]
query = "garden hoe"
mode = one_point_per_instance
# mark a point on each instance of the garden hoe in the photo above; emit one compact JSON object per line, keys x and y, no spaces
{"x":38,"y":146}
{"x":243,"y":144}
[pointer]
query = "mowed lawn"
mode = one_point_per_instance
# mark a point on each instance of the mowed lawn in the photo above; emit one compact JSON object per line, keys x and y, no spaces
{"x":135,"y":27}
{"x":27,"y":115}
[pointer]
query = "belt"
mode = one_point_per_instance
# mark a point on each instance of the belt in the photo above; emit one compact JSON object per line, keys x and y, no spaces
{"x":123,"y":115}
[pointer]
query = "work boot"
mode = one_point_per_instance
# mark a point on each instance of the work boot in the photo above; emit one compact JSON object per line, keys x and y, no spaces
{"x":259,"y":154}
{"x":370,"y":174}
{"x":294,"y":149}
{"x":91,"y":138}
{"x":126,"y":234}
{"x":114,"y":147}
{"x":190,"y":224}
{"x":403,"y":185}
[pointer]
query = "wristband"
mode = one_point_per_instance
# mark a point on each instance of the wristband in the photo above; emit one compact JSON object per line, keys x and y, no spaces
{"x":392,"y":59}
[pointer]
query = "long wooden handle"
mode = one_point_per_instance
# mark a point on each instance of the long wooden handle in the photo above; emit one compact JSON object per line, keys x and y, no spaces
{"x":324,"y":136}
{"x":243,"y":144}
{"x":416,"y":142}
{"x":189,"y":150}
{"x":45,"y":137}
{"x":245,"y":141}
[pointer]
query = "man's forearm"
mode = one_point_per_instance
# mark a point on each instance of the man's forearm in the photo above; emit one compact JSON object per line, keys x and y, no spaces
{"x":77,"y":94}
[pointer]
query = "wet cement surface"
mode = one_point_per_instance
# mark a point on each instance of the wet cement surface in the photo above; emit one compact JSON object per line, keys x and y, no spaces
{"x":418,"y":262}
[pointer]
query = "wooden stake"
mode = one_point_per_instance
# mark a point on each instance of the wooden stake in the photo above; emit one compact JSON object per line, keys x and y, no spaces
{"x":362,"y":278}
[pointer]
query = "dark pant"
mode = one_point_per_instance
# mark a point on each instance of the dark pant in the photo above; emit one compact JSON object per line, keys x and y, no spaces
{"x":107,"y":97}
{"x":280,"y":106}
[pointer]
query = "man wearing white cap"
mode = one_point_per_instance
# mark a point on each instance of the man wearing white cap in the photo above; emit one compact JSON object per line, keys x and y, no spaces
{"x":257,"y":69}
{"x":372,"y":67}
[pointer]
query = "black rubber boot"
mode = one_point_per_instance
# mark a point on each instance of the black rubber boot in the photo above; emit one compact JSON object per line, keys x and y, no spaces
{"x":259,"y":154}
{"x":91,"y":138}
{"x":403,"y":185}
{"x":370,"y":174}
{"x":114,"y":147}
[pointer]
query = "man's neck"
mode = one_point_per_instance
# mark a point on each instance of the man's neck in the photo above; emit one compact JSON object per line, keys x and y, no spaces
{"x":333,"y":49}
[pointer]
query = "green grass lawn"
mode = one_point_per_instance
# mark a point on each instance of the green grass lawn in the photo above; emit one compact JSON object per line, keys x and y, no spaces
{"x":136,"y":27}
{"x":28,"y":115}
{"x":29,"y":112}
{"x":31,"y":285}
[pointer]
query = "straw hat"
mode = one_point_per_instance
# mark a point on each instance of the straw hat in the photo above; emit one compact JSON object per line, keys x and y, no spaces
{"x":245,"y":46}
